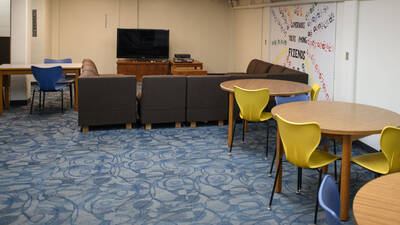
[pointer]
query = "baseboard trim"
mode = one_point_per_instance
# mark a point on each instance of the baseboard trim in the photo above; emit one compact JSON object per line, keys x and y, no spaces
{"x":365,"y":146}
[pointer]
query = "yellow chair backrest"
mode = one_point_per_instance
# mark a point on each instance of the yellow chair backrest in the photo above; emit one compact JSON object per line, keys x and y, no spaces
{"x":315,"y":91}
{"x":251,"y":102}
{"x":299,"y":140}
{"x":390,"y":145}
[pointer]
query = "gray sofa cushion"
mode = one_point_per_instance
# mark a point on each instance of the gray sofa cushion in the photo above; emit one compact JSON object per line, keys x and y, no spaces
{"x":107,"y":99}
{"x":205,"y":100}
{"x":163,"y":99}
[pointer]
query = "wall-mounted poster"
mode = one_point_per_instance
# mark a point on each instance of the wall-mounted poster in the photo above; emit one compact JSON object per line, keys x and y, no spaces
{"x":303,"y":38}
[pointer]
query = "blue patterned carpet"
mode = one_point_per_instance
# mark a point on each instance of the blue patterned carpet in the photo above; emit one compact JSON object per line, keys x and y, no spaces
{"x":51,"y":173}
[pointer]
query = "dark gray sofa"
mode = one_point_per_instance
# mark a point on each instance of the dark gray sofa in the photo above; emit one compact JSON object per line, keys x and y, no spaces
{"x":163,"y":100}
{"x":199,"y":98}
{"x":105,"y":99}
{"x":110,"y":99}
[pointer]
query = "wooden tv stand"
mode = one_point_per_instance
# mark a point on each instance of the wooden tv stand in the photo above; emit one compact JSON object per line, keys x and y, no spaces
{"x":142,"y":68}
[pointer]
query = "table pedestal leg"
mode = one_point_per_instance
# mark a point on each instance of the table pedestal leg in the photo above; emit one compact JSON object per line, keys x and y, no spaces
{"x":345,"y":178}
{"x":230,"y":118}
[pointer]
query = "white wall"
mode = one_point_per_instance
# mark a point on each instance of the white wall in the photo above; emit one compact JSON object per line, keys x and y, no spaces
{"x":4,"y":18}
{"x":200,"y":28}
{"x":247,"y":37}
{"x":41,"y":45}
{"x":20,"y":46}
{"x":346,"y":42}
{"x":378,"y":74}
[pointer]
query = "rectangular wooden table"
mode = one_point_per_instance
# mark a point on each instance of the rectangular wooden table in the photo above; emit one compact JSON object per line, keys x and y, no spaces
{"x":21,"y":69}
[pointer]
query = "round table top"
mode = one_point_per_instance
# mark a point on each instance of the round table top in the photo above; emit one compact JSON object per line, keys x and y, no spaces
{"x":340,"y":118}
{"x":378,"y":202}
{"x":275,"y":87}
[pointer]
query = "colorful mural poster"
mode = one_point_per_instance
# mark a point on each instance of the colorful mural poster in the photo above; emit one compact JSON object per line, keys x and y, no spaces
{"x":303,"y":38}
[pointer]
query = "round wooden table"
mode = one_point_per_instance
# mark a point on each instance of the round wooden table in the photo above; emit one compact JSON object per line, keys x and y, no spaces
{"x":378,"y":202}
{"x":341,"y":121}
{"x":275,"y":87}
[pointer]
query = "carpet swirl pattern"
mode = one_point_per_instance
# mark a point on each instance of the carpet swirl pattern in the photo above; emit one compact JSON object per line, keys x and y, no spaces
{"x":51,"y":173}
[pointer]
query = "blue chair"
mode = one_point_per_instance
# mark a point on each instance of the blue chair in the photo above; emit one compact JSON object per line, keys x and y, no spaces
{"x":329,"y":200}
{"x":47,"y":79}
{"x":296,"y":98}
{"x":63,"y":80}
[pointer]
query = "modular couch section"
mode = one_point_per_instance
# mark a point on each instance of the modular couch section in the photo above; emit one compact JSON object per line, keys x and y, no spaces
{"x":163,"y":100}
{"x":205,"y":100}
{"x":107,"y":99}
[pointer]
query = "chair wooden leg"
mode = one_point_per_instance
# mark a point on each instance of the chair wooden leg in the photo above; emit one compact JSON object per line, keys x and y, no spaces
{"x":148,"y":126}
{"x":192,"y":124}
{"x":220,"y":123}
{"x":128,"y":126}
{"x":3,"y":93}
{"x":177,"y":124}
{"x":33,"y":99}
{"x":85,"y":129}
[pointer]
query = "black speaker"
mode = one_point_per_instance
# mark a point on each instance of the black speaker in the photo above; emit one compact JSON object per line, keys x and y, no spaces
{"x":182,"y":55}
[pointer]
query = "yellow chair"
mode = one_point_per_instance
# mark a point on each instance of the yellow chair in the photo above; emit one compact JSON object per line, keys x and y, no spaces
{"x":388,"y":160}
{"x":300,"y":142}
{"x":315,"y":92}
{"x":251,"y":104}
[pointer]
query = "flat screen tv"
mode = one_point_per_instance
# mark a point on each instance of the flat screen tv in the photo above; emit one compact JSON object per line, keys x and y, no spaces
{"x":142,"y":43}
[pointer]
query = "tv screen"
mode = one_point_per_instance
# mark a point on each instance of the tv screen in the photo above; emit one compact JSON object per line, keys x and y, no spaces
{"x":142,"y":43}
